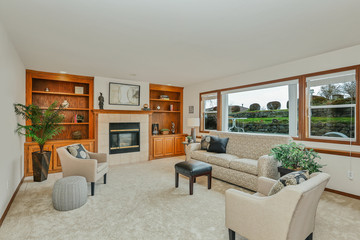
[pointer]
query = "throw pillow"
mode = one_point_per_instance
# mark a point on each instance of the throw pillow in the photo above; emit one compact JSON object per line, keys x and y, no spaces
{"x":78,"y":151}
{"x":292,"y":178}
{"x":205,"y":142}
{"x":217,"y":145}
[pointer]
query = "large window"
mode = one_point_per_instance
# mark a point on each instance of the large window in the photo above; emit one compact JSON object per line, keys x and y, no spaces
{"x":321,"y":107}
{"x":270,"y":108}
{"x":332,"y":105}
{"x":209,"y":111}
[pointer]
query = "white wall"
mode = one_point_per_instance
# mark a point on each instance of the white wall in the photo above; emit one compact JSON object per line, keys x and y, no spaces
{"x":337,"y":166}
{"x":101,"y":84}
{"x":12,"y":78}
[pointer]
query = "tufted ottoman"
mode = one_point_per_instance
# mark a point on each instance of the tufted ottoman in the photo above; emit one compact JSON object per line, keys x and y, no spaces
{"x":69,"y":193}
{"x":192,"y":169}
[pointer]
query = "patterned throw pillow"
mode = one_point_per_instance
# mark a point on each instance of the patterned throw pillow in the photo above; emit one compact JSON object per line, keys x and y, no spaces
{"x":292,"y":178}
{"x":78,"y":151}
{"x":205,"y":142}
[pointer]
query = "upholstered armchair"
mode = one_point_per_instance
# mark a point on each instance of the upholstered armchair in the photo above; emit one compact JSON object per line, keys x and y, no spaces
{"x":286,"y":215}
{"x":92,"y":169}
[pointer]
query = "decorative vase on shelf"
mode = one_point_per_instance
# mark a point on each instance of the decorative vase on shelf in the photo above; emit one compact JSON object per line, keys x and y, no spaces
{"x":65,"y":104}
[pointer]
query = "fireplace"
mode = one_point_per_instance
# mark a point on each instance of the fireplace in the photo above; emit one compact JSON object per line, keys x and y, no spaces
{"x":124,"y":137}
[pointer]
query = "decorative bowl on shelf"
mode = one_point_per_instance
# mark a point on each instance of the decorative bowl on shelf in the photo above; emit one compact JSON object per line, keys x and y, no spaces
{"x":165,"y":131}
{"x":76,"y":135}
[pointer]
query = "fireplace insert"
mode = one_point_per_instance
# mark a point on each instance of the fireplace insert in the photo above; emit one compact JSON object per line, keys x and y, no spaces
{"x":124,"y":137}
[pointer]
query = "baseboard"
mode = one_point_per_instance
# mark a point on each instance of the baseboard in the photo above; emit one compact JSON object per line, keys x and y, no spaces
{"x":11,"y":201}
{"x":343,"y":193}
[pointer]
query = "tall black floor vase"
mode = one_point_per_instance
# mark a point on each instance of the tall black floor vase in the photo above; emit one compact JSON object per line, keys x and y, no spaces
{"x":40,"y":162}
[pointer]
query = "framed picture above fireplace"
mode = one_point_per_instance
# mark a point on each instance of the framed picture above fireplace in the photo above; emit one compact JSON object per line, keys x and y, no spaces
{"x":124,"y":94}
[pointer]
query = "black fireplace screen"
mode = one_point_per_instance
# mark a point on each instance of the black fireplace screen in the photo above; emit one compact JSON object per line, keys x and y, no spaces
{"x":124,"y":137}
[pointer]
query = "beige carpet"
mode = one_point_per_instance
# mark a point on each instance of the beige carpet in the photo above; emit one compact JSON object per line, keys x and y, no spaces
{"x":140,"y":202}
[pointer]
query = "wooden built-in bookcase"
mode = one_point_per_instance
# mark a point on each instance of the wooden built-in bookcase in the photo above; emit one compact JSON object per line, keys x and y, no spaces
{"x":171,"y":144}
{"x":42,"y":89}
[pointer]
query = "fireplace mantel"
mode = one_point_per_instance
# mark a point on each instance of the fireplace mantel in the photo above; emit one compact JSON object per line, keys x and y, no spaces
{"x":104,"y":111}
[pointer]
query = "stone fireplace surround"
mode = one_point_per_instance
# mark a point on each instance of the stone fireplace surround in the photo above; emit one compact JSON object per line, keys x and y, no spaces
{"x":102,"y":120}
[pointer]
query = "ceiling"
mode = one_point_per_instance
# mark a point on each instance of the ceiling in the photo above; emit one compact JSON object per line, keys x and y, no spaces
{"x":177,"y":42}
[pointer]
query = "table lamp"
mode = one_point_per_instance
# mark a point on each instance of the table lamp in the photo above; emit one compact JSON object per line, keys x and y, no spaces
{"x":193,"y":122}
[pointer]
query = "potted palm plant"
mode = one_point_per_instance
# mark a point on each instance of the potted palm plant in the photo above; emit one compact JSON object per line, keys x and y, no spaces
{"x":295,"y":157}
{"x":44,"y":125}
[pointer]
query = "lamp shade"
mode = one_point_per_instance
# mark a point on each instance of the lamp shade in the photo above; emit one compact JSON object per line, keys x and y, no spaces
{"x":193,"y":122}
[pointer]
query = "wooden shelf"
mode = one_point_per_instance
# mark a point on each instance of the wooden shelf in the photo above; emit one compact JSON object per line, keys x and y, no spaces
{"x":71,"y":109}
{"x":164,"y":100}
{"x":61,"y":93}
{"x":165,"y":111}
{"x":66,"y":123}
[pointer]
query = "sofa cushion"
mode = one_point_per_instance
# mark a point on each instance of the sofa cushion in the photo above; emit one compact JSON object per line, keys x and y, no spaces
{"x":201,"y":155}
{"x":249,"y":145}
{"x":245,"y":165}
{"x":292,"y":178}
{"x":221,"y":159}
{"x":218,"y":144}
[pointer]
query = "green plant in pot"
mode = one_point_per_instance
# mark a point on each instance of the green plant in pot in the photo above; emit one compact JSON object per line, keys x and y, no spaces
{"x":294,"y":157}
{"x":43,"y":126}
{"x":189,"y":138}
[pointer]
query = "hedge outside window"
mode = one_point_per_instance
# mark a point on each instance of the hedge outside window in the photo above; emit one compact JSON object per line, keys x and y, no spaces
{"x":332,"y":105}
{"x":270,"y":109}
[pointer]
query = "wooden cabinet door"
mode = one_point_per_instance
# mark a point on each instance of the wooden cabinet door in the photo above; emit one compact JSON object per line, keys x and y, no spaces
{"x":35,"y":148}
{"x":169,"y":147}
{"x":158,"y":147}
{"x":179,"y":147}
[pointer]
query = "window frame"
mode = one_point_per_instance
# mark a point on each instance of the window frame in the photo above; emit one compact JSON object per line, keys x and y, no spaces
{"x":307,"y":120}
{"x":202,"y":113}
{"x":303,"y":119}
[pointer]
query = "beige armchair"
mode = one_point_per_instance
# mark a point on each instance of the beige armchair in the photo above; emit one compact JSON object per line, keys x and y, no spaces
{"x":286,"y":215}
{"x":92,"y":169}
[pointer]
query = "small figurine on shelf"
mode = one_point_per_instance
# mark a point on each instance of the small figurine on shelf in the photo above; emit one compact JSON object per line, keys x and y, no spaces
{"x":146,"y":107}
{"x":172,"y":127}
{"x":158,"y":107}
{"x":171,"y":108}
{"x":65,"y":104}
{"x":47,"y":90}
{"x":101,"y":101}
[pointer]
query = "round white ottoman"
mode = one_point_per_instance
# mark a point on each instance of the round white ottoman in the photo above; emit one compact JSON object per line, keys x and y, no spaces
{"x":69,"y":193}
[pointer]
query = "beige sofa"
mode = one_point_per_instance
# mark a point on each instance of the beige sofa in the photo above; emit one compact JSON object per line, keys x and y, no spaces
{"x":245,"y":160}
{"x":288,"y":214}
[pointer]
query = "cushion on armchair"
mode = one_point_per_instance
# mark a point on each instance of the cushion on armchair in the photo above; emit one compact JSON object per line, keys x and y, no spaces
{"x":78,"y":151}
{"x":292,"y":178}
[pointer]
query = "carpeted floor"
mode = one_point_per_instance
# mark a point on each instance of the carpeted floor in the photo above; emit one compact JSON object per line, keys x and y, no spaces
{"x":141,"y":202}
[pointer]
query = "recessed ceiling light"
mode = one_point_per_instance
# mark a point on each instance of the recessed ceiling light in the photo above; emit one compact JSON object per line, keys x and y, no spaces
{"x":62,"y":72}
